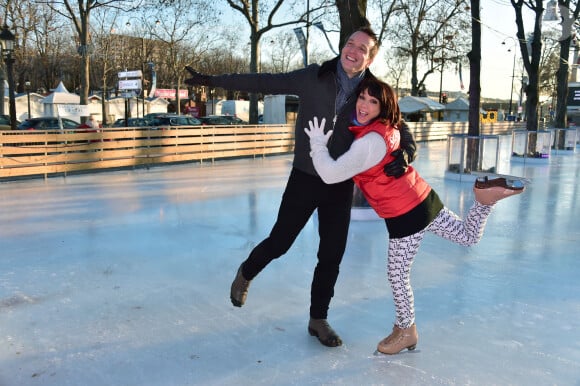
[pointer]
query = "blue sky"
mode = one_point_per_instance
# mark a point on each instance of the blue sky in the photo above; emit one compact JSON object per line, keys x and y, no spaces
{"x":498,"y":25}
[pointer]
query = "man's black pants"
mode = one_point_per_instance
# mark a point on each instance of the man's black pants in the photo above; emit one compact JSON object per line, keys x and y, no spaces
{"x":305,"y":193}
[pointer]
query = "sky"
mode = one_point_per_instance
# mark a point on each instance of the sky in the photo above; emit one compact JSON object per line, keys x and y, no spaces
{"x":497,"y":64}
{"x":498,"y":25}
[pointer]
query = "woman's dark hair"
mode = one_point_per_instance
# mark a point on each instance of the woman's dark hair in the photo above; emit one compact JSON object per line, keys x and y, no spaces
{"x":390,"y":112}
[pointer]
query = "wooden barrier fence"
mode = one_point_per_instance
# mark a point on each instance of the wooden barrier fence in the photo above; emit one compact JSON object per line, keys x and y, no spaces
{"x":47,"y":153}
{"x":43,"y":153}
{"x":439,"y":131}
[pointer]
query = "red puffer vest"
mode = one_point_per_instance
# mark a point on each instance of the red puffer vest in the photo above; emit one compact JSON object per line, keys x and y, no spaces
{"x":389,"y":196}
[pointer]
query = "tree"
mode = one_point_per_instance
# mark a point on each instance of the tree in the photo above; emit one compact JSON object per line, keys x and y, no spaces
{"x":397,"y":69}
{"x":568,"y":21}
{"x":79,"y":13}
{"x":253,"y":10}
{"x":283,"y":50}
{"x":549,"y":63}
{"x":40,"y":54}
{"x":473,"y":156}
{"x":531,"y":59}
{"x":104,"y":57}
{"x":432,"y":32}
{"x":386,"y":9}
{"x":352,"y":15}
{"x":172,"y":27}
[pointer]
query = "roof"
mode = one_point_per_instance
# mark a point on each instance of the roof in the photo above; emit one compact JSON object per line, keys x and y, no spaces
{"x":413,"y":104}
{"x":60,"y":95}
{"x":458,"y":104}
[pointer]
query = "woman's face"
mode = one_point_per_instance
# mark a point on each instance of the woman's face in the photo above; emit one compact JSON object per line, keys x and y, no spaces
{"x":367,"y":108}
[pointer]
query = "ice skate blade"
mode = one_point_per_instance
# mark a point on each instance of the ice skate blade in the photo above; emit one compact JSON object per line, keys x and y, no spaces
{"x":377,"y":353}
{"x":515,"y":181}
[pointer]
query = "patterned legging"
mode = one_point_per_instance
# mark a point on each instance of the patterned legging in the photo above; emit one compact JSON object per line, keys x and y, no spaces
{"x":402,"y":251}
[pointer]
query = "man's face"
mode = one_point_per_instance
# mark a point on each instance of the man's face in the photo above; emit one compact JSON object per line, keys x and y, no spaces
{"x":355,"y":56}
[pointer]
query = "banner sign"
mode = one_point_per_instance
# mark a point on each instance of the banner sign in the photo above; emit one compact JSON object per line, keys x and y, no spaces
{"x":169,"y":93}
{"x":573,"y":96}
{"x":73,"y":111}
{"x":302,"y":40}
{"x":130,"y":84}
{"x":153,"y":80}
{"x":130,"y":74}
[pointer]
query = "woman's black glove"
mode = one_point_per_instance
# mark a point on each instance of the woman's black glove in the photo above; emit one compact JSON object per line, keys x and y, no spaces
{"x":197,"y":79}
{"x":399,"y":165}
{"x":403,"y":156}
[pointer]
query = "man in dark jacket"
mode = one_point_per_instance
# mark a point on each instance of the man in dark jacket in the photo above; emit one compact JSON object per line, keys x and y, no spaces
{"x":324,"y":91}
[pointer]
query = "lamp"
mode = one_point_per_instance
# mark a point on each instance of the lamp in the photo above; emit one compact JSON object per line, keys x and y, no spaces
{"x":27,"y":84}
{"x":551,"y":11}
{"x":7,"y":39}
{"x":513,"y":74}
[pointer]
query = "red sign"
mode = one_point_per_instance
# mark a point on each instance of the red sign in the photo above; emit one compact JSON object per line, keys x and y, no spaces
{"x":169,"y":93}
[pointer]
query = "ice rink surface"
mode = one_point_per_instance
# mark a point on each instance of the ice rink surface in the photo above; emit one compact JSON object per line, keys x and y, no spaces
{"x":122,"y":279}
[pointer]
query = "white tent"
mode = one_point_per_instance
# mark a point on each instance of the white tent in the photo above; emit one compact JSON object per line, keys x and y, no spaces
{"x":457,"y":111}
{"x":59,"y":96}
{"x":413,"y":104}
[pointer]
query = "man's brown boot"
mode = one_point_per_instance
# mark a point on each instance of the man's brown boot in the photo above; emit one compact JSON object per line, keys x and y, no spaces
{"x":239,"y":290}
{"x":325,"y":334}
{"x":400,"y":339}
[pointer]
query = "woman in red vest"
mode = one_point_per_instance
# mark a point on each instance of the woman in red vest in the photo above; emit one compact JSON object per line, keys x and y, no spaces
{"x":408,"y":204}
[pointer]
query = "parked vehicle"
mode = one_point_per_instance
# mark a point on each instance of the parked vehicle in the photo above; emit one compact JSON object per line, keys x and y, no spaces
{"x":221,"y":120}
{"x":47,"y":123}
{"x":5,"y":122}
{"x":235,"y":108}
{"x":166,"y":120}
{"x":132,"y":122}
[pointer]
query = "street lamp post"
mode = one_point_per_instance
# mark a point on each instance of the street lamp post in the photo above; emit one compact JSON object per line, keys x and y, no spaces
{"x":27,"y":84}
{"x":446,"y":40}
{"x":513,"y":74}
{"x":512,"y":89}
{"x":7,"y":39}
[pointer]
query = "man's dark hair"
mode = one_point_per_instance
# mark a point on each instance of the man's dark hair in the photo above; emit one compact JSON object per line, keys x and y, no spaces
{"x":369,"y":31}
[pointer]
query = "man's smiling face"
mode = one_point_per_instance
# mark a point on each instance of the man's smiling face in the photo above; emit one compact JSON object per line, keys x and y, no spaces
{"x":355,"y":56}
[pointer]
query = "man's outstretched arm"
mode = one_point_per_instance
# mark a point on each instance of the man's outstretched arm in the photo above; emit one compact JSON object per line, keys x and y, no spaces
{"x":197,"y":78}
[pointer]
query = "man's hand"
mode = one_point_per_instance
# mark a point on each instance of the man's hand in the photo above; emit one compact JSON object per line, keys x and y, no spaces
{"x":316,"y":133}
{"x":399,"y":165}
{"x":403,"y":156}
{"x":197,"y":79}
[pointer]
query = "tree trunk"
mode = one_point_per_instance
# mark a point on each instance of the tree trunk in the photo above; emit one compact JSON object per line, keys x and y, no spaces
{"x":84,"y":51}
{"x":85,"y":83}
{"x":414,"y":79}
{"x":352,"y":14}
{"x":472,"y":156}
{"x":254,"y":60}
{"x":562,"y":85}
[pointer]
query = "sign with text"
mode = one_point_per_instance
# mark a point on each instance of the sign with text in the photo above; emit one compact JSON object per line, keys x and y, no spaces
{"x":169,"y":93}
{"x":130,"y":74}
{"x":73,"y":111}
{"x":573,"y":96}
{"x":130,"y":84}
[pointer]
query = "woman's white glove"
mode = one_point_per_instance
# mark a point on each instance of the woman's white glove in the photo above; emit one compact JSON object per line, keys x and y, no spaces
{"x":318,"y":139}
